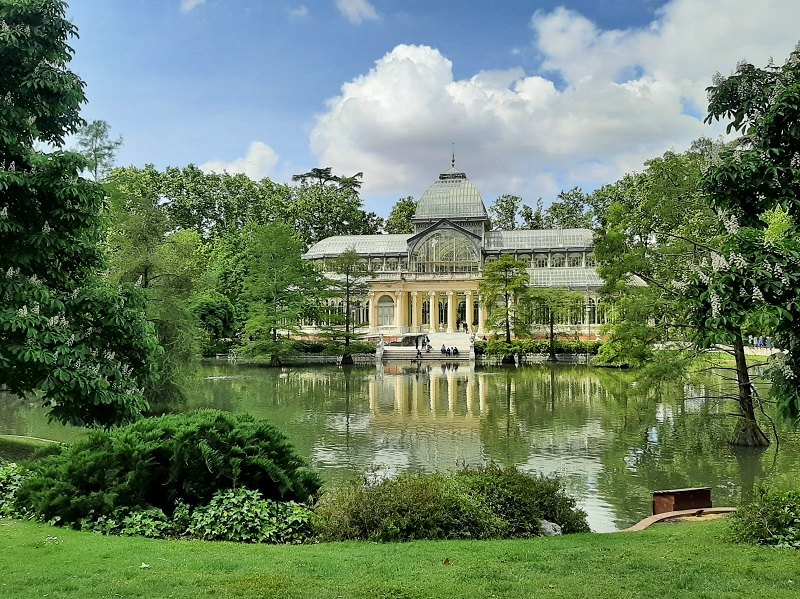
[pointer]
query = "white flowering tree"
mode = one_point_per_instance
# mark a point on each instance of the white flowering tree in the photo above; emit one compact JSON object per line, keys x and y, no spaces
{"x":80,"y":343}
{"x":753,"y":274}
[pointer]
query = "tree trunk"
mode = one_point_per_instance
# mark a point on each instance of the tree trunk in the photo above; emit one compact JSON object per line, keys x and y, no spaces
{"x":552,"y":348}
{"x":747,"y":432}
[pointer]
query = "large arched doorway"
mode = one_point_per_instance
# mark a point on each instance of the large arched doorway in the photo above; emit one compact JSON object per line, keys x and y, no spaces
{"x":385,"y":311}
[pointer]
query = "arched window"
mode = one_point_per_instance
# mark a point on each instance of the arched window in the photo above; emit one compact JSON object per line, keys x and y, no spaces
{"x":557,"y":260}
{"x":445,"y":251}
{"x":575,"y":260}
{"x":385,"y":311}
{"x":377,"y":265}
{"x":391,"y":264}
{"x":540,"y":261}
{"x":590,"y":261}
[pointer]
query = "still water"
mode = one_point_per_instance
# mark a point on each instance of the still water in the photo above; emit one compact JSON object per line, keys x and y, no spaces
{"x":611,"y":440}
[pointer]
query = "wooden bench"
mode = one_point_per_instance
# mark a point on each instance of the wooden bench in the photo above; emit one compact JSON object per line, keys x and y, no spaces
{"x":681,"y":499}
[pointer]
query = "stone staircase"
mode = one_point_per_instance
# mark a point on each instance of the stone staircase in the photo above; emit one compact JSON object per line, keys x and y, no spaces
{"x":436,"y":340}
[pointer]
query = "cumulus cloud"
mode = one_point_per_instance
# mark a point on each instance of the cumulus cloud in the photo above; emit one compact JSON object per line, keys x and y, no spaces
{"x":601,"y":102}
{"x":189,"y":5}
{"x":357,"y":11}
{"x":297,"y":12}
{"x":257,"y":163}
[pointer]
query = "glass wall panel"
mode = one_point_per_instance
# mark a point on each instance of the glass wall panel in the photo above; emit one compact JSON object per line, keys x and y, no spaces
{"x":445,"y":251}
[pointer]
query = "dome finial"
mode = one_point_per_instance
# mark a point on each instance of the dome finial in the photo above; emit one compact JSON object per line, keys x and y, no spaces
{"x":453,"y":160}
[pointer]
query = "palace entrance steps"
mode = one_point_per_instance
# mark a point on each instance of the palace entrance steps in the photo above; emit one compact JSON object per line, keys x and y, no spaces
{"x":436,"y":340}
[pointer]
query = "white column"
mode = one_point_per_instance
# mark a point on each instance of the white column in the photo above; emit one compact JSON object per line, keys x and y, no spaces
{"x":434,"y":310}
{"x":451,"y":311}
{"x":468,"y":311}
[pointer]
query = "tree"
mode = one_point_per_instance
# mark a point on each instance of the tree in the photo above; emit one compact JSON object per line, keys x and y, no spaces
{"x":504,"y":281}
{"x":570,"y":211}
{"x":319,"y":212}
{"x":555,"y":303}
{"x":753,"y":273}
{"x":504,"y":212}
{"x":167,"y":265}
{"x":399,"y":220}
{"x":533,"y":219}
{"x":280,"y":287}
{"x":66,"y":333}
{"x":348,"y":282}
{"x":95,"y":145}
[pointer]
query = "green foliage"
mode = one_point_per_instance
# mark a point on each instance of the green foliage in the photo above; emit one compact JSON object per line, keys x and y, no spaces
{"x":11,"y":476}
{"x":499,"y":348}
{"x":66,"y":333}
{"x":399,"y":220}
{"x":503,"y":212}
{"x":244,"y":516}
{"x":570,"y":211}
{"x":409,"y":507}
{"x":769,"y":518}
{"x":95,"y":145}
{"x":161,"y":462}
{"x":280,"y":287}
{"x":480,"y":503}
{"x":348,"y":281}
{"x":523,"y":500}
{"x":504,"y":280}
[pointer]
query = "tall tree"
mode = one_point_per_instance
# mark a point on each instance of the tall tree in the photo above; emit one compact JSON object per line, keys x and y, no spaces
{"x":753,"y":273}
{"x":399,"y":220}
{"x":554,"y":303}
{"x":320,"y":212}
{"x":570,"y":211}
{"x":280,"y":287}
{"x":97,"y":147}
{"x":348,"y":281}
{"x":503,"y":282}
{"x":533,"y":219}
{"x":65,"y":332}
{"x":503,"y":212}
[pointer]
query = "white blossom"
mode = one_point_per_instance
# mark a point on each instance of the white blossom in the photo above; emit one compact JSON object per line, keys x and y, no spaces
{"x":718,"y":262}
{"x":757,"y":295}
{"x":715,"y":303}
{"x":736,"y":259}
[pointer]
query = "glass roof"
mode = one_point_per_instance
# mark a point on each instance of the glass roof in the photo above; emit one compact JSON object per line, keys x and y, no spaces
{"x":540,"y":239}
{"x":452,"y":196}
{"x":363,"y":244}
{"x":572,"y":277}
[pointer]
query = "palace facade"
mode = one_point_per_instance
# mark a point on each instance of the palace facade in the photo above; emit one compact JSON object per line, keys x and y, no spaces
{"x":427,"y":281}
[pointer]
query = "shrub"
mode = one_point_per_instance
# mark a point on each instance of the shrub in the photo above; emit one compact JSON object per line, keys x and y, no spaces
{"x":770,"y":518}
{"x":161,"y":462}
{"x":11,"y":476}
{"x":522,"y":500}
{"x":406,"y":508}
{"x":245,"y":516}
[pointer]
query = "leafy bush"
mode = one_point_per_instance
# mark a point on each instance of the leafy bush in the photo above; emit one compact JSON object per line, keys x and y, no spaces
{"x":406,"y":508}
{"x":479,"y":503}
{"x":770,"y":518}
{"x":161,"y":462}
{"x":245,"y":516}
{"x":498,"y":347}
{"x":523,"y":500}
{"x":11,"y":476}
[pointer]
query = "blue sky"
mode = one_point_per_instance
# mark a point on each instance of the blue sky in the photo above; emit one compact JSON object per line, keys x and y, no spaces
{"x":538,"y":96}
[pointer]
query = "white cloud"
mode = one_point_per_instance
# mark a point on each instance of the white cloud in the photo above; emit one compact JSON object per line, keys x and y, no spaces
{"x":257,"y":163}
{"x":357,"y":11}
{"x":297,"y":12}
{"x":189,"y":5}
{"x":602,"y":103}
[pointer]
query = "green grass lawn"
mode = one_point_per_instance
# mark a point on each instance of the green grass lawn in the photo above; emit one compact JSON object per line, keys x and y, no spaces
{"x":667,"y":560}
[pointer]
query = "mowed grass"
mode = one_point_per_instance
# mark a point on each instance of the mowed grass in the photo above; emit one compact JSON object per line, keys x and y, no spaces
{"x":668,"y":560}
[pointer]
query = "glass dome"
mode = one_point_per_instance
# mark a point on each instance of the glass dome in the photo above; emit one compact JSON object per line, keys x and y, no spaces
{"x":452,"y":196}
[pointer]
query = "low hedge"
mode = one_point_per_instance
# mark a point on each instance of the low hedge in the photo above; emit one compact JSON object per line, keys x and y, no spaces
{"x":498,"y":347}
{"x":479,"y":503}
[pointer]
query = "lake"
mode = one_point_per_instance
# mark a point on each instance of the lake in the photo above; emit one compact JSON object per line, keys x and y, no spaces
{"x":612,"y":441}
